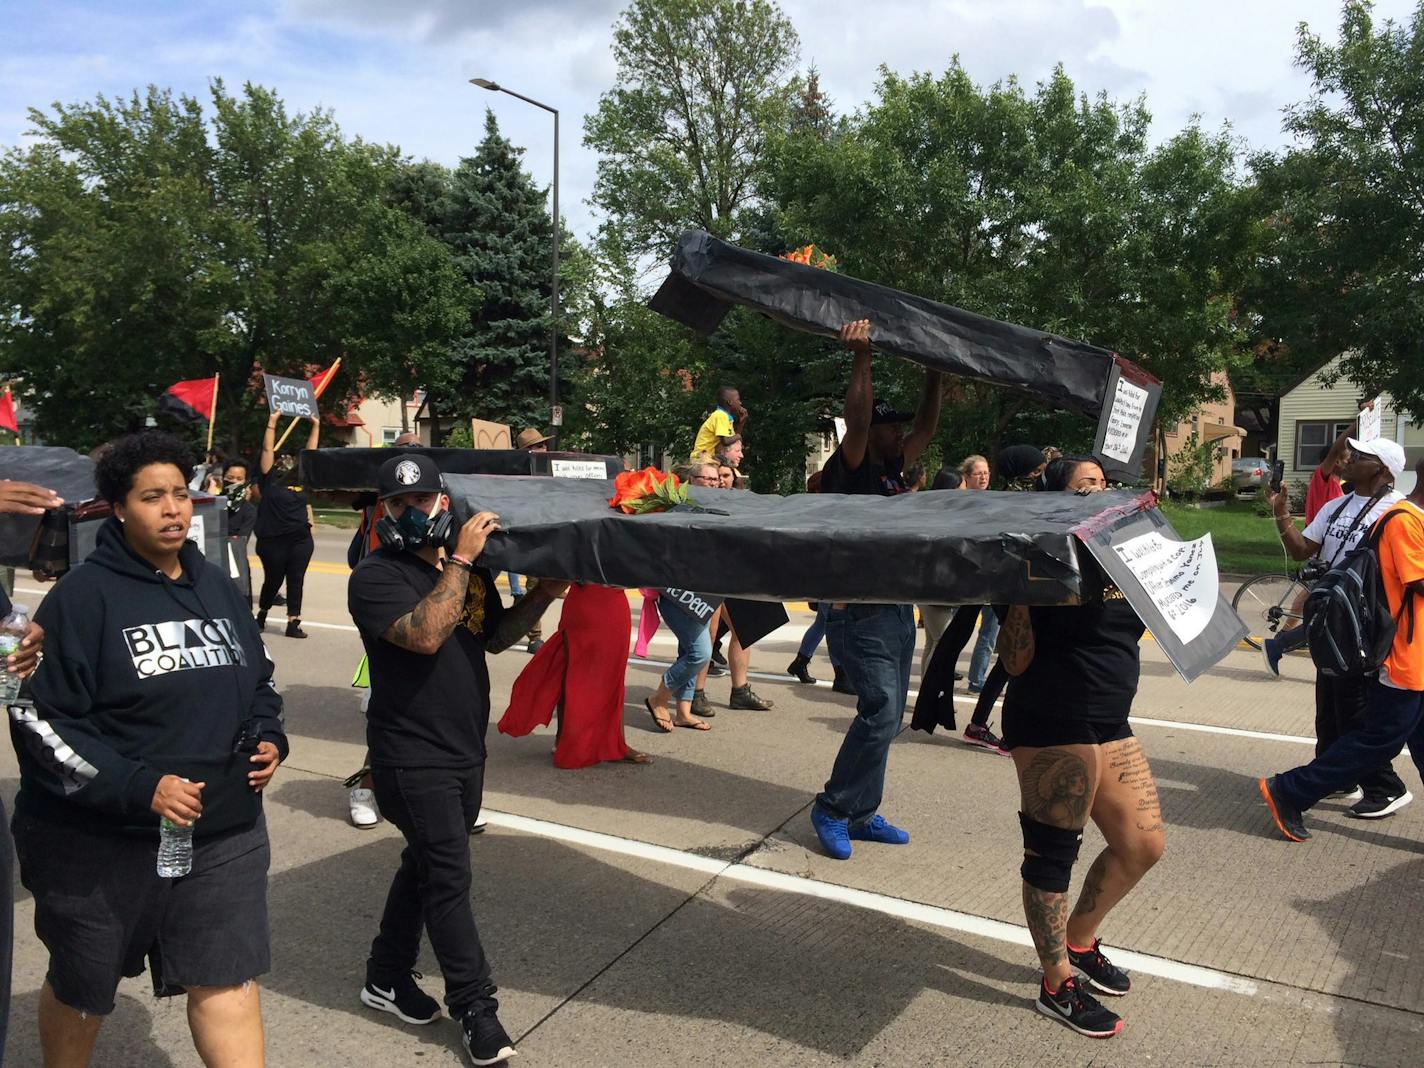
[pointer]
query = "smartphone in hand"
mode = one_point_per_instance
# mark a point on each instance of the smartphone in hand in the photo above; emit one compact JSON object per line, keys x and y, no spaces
{"x":1278,"y":474}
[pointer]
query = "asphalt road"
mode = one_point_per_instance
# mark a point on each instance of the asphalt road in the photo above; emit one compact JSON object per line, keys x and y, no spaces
{"x":682,"y":914}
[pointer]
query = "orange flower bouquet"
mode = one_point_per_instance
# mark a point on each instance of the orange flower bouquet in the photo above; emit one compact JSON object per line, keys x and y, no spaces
{"x":648,"y":490}
{"x":811,"y":256}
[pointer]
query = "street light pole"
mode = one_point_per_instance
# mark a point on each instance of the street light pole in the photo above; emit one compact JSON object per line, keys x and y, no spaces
{"x":555,"y":415}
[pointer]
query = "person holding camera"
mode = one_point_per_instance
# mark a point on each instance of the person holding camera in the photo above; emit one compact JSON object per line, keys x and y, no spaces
{"x":154,"y":701}
{"x":427,"y":615}
{"x":1371,"y":468}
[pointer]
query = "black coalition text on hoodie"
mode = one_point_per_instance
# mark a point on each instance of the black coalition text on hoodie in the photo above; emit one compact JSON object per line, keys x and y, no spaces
{"x":143,"y":676}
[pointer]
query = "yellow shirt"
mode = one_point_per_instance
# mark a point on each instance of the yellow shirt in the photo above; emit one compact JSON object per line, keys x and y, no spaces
{"x":717,"y":425}
{"x":1401,"y":556}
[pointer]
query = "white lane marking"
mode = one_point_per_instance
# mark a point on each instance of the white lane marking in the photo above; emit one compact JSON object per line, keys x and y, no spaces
{"x":931,"y":915}
{"x":1204,"y":728}
{"x":763,"y":676}
{"x":275,"y":620}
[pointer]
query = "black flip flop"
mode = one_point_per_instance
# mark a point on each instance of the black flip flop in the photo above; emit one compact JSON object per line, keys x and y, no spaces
{"x":658,"y":723}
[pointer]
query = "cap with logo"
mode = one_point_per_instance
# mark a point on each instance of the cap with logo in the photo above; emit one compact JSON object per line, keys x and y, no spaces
{"x":416,"y":473}
{"x":883,"y":414}
{"x":1389,"y":453}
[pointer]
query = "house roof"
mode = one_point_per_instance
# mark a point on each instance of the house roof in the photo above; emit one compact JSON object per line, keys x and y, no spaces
{"x":1303,"y":379}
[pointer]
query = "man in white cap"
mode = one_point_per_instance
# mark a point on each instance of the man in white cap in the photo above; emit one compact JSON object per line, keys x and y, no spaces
{"x":1371,"y":468}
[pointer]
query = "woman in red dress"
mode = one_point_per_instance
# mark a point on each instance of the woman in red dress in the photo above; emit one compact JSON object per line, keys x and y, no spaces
{"x":578,"y":674}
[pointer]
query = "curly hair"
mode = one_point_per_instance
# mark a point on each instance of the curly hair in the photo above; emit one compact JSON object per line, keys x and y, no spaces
{"x":115,"y":471}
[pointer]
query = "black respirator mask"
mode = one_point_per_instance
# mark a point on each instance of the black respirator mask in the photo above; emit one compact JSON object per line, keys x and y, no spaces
{"x":415,"y":530}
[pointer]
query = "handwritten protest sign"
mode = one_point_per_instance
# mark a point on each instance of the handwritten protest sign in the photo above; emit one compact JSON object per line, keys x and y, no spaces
{"x":578,"y":468}
{"x":291,"y":396}
{"x":1128,"y":405}
{"x":1370,"y":420}
{"x":1179,"y":576}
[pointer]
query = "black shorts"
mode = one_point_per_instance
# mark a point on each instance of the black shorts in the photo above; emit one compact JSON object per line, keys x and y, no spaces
{"x":1055,"y":728}
{"x":101,"y":909}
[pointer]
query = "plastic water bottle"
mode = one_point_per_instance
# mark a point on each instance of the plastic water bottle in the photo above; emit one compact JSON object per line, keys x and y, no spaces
{"x":175,"y":849}
{"x":12,"y":629}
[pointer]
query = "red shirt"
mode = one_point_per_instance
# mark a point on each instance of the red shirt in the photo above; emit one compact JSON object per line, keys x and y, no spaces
{"x":1322,"y":490}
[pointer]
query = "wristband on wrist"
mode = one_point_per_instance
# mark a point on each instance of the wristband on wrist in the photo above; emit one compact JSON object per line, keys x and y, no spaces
{"x":456,"y":558}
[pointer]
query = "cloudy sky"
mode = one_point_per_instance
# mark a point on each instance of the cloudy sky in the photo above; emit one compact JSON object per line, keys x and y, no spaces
{"x":396,"y":70}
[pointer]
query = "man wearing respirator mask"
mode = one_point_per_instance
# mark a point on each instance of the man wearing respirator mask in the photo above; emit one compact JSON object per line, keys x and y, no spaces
{"x":427,"y":615}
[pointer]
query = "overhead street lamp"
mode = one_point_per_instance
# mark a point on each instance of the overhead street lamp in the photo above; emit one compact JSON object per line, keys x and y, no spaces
{"x":555,"y":414}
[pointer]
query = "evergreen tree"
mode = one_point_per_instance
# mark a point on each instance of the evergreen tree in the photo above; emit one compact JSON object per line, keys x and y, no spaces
{"x":496,"y":223}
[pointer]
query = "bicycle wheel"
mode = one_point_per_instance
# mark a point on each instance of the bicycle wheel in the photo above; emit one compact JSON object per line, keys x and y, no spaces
{"x":1269,"y":604}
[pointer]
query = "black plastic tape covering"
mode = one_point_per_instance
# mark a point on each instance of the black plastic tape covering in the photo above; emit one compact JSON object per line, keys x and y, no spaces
{"x":709,"y":276}
{"x":945,"y":547}
{"x":355,"y":469}
{"x":1191,"y":658}
{"x":65,"y":471}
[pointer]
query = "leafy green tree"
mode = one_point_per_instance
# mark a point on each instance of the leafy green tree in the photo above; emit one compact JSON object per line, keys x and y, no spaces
{"x":494,"y":220}
{"x":142,"y":243}
{"x":1346,"y":207}
{"x":1046,"y":208}
{"x":701,"y":84}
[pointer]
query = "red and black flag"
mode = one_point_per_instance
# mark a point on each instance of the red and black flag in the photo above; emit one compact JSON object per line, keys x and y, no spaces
{"x":192,"y":400}
{"x":7,"y":412}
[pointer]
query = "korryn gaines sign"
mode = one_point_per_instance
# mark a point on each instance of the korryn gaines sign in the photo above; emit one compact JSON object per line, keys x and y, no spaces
{"x":295,"y":397}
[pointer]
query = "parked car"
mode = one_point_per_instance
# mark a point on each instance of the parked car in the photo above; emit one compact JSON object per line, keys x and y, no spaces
{"x":1248,"y":474}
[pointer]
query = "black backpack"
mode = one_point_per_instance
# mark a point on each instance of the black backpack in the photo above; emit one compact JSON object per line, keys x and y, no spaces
{"x":1347,"y":617}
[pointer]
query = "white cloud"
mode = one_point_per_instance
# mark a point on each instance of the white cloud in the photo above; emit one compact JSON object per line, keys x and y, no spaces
{"x":398,"y":72}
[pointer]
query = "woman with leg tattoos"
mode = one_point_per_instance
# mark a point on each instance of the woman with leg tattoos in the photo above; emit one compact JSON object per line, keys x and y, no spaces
{"x":1073,"y":674}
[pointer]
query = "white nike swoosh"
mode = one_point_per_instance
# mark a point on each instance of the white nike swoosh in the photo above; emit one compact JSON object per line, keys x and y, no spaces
{"x":389,"y":995}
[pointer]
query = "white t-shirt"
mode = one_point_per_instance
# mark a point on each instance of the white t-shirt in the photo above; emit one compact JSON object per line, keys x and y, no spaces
{"x":1331,"y":523}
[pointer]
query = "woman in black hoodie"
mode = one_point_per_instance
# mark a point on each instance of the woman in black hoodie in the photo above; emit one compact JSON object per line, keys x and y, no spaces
{"x":154,"y":700}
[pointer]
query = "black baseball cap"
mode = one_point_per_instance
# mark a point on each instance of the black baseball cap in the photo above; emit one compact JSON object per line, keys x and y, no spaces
{"x":882,"y":414}
{"x":412,"y":473}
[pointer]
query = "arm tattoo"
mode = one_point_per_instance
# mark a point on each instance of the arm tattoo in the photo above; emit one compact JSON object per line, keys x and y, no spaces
{"x":516,"y":621}
{"x":1047,"y":916}
{"x":1016,"y":646}
{"x":426,"y":626}
{"x":1057,"y":789}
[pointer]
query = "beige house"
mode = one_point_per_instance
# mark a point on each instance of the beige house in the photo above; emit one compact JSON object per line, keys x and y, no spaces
{"x":1313,"y":414}
{"x":1215,"y":423}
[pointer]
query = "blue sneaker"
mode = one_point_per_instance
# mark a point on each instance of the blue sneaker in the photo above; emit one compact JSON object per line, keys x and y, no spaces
{"x":833,"y":833}
{"x":879,"y":829}
{"x":1271,"y":654}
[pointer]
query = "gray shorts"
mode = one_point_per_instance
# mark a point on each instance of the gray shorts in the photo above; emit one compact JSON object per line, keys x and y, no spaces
{"x":101,"y":910}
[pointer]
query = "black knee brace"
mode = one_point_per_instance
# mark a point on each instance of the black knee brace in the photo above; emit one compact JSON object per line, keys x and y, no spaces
{"x":1056,"y":849}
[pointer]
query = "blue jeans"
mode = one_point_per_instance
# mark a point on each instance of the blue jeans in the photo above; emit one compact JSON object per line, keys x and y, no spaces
{"x":983,"y":648}
{"x":814,"y":633}
{"x":875,"y":645}
{"x":516,"y":588}
{"x":694,"y":649}
{"x":1393,"y":719}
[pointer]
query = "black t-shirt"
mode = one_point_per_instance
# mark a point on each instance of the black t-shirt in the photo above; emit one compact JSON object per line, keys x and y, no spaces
{"x":425,"y":711}
{"x":282,"y":511}
{"x":241,"y":520}
{"x":885,"y":478}
{"x":1085,"y":662}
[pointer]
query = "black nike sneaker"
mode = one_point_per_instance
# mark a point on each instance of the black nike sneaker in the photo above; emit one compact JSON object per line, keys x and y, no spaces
{"x":1102,"y":974}
{"x":400,"y":996}
{"x":486,"y":1041}
{"x":1074,"y":1007}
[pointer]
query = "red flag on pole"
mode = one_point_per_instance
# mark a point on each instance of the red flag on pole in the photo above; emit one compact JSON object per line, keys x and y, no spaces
{"x":7,"y":413}
{"x":192,"y":400}
{"x":321,"y":381}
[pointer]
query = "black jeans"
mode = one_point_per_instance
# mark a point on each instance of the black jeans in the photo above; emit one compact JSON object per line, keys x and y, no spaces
{"x":1393,"y":719}
{"x":1339,"y":708}
{"x":433,"y":808}
{"x":285,"y":558}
